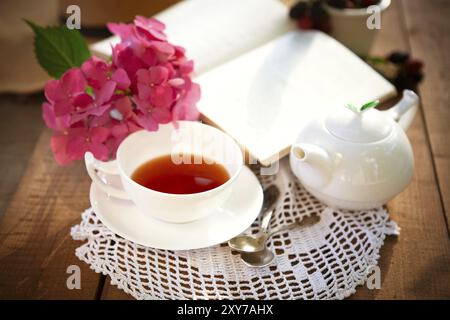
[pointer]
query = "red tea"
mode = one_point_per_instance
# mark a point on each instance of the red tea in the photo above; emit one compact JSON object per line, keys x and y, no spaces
{"x":164,"y":175}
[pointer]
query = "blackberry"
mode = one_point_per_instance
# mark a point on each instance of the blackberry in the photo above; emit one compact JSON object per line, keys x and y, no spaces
{"x":318,"y":13}
{"x":368,"y":3}
{"x":417,"y":77}
{"x":398,"y":57}
{"x":305,"y":23}
{"x":413,"y":66}
{"x":299,"y":10}
{"x":341,"y":4}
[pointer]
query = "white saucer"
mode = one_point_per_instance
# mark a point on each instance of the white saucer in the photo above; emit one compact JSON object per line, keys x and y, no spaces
{"x":235,"y":216}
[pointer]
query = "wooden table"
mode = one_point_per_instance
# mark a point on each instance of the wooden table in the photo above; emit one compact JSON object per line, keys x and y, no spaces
{"x":40,"y":201}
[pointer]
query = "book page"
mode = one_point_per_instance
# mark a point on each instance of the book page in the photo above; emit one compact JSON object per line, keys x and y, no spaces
{"x":264,"y":97}
{"x":216,"y":31}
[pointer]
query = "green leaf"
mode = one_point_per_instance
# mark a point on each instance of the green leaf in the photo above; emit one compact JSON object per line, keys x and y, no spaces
{"x":369,"y":105}
{"x":58,"y":49}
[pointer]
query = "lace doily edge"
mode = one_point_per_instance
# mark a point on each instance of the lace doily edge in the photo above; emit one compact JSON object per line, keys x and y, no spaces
{"x":390,"y":229}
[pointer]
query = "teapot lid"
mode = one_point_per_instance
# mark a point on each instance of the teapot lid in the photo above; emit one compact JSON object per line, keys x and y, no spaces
{"x":361,"y":127}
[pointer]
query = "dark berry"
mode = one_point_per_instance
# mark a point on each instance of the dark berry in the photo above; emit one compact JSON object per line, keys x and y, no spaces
{"x":324,"y":26}
{"x":349,"y":4}
{"x":402,"y":82}
{"x":305,"y":23}
{"x":398,"y":57}
{"x":413,"y":66}
{"x":368,"y":3}
{"x":417,"y":77}
{"x":341,"y":4}
{"x":318,"y":13}
{"x":298,"y":10}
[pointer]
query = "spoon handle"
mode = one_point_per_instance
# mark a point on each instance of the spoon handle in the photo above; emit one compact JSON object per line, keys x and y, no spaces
{"x":265,"y":220}
{"x":301,"y":224}
{"x":273,"y":194}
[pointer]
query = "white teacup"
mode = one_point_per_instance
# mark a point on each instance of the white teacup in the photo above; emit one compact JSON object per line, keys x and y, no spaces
{"x":189,"y":138}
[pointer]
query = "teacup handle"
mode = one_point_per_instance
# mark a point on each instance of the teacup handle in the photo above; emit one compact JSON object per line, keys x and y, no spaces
{"x":109,"y":168}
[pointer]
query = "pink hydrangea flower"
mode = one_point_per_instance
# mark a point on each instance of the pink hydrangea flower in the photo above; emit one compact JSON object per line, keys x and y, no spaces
{"x":61,"y":93}
{"x":98,"y":72}
{"x":73,"y":143}
{"x":146,"y":83}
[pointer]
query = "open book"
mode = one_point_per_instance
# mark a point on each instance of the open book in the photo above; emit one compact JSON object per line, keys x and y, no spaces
{"x":261,"y":78}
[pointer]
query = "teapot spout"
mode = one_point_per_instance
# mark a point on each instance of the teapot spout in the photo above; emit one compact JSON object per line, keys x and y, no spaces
{"x":312,"y":164}
{"x":405,"y":110}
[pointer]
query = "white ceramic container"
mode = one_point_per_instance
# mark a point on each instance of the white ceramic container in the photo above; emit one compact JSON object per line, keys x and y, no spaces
{"x":354,"y":160}
{"x":349,"y":26}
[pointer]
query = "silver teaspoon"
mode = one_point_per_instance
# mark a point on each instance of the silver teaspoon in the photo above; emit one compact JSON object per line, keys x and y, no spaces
{"x":245,"y":243}
{"x":262,"y":256}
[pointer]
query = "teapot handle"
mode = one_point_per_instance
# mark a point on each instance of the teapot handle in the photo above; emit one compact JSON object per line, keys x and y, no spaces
{"x":405,"y":110}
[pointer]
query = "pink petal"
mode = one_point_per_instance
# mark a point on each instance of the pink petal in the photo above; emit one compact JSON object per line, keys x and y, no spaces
{"x":163,"y":50}
{"x":63,"y":107}
{"x":146,"y":122}
{"x":185,"y":108}
{"x":58,"y":144}
{"x":99,"y":135}
{"x":96,"y":71}
{"x":125,"y":58}
{"x":82,"y":101}
{"x":101,"y":120}
{"x":50,"y":119}
{"x":162,"y":96}
{"x":76,"y":146}
{"x":152,"y":29}
{"x":121,"y":78}
{"x":124,"y":106}
{"x":133,"y":126}
{"x":51,"y":88}
{"x":179,"y":51}
{"x":142,"y":104}
{"x":73,"y":82}
{"x":105,"y":93}
{"x":144,"y":91}
{"x":191,"y":99}
{"x":99,"y":150}
{"x":99,"y":110}
{"x":186,"y":67}
{"x":124,"y":31}
{"x":161,"y":115}
{"x":153,"y":76}
{"x":149,"y":57}
{"x":151,"y":23}
{"x":49,"y":115}
{"x":119,"y":130}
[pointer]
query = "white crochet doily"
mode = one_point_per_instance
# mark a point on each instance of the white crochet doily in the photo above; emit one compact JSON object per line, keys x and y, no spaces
{"x":325,"y":261}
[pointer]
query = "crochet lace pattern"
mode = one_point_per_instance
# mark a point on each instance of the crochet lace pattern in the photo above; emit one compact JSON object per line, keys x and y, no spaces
{"x":325,"y":261}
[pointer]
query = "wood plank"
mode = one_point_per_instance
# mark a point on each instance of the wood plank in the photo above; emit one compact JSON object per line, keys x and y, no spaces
{"x":20,"y":127}
{"x":35,"y":243}
{"x":429,"y":28}
{"x":417,"y":264}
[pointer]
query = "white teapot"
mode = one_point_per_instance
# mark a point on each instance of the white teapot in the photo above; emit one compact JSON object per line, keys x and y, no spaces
{"x":356,"y":160}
